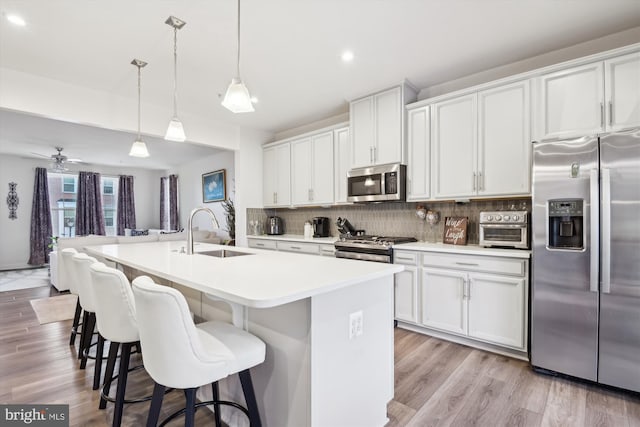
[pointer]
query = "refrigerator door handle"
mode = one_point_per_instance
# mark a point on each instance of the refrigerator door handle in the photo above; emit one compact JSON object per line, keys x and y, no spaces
{"x":593,"y":229}
{"x":606,"y":231}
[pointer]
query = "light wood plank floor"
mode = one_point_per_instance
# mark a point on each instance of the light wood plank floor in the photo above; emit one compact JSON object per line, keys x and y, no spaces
{"x":437,"y":383}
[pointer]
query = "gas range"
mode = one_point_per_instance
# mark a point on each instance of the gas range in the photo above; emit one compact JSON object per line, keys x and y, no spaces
{"x":369,"y":248}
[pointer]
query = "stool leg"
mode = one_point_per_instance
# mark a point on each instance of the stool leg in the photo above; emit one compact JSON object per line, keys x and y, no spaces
{"x":190,"y":410}
{"x":250,"y":398}
{"x":216,"y":407}
{"x":123,"y":372}
{"x":156,"y":404}
{"x":85,"y":322}
{"x":97,"y":369}
{"x":76,"y":322}
{"x":108,"y":373}
{"x":89,"y":326}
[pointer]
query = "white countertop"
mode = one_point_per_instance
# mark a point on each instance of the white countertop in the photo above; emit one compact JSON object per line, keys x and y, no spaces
{"x":264,"y":279}
{"x":463,"y":249}
{"x":294,"y":238}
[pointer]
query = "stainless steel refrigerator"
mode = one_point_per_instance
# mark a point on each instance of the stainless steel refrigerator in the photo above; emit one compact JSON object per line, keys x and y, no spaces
{"x":585,"y":319}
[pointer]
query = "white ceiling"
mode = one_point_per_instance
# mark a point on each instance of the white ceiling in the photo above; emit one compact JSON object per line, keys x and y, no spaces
{"x":291,"y":48}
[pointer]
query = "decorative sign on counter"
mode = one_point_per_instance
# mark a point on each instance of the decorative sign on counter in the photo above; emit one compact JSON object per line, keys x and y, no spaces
{"x":455,"y":230}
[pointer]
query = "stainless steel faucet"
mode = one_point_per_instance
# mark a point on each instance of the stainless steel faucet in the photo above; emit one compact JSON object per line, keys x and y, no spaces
{"x":190,"y":228}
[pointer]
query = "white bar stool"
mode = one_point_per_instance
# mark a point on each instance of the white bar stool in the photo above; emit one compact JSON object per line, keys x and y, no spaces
{"x":67,"y":279}
{"x":179,"y":354}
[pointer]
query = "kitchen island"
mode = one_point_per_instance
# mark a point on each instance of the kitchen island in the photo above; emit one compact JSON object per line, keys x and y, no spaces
{"x":320,"y":369}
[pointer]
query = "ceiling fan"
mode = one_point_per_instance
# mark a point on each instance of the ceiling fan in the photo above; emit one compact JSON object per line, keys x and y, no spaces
{"x":58,"y":160}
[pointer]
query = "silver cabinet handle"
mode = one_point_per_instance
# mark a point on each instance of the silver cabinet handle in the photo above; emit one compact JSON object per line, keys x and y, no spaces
{"x":295,"y":247}
{"x":467,"y":263}
{"x":375,"y":154}
{"x":595,"y":238}
{"x":371,"y":154}
{"x":480,"y":181}
{"x":468,"y":289}
{"x":610,"y":113}
{"x":259,"y":244}
{"x":602,"y":115}
{"x":474,"y":181}
{"x":606,"y":232}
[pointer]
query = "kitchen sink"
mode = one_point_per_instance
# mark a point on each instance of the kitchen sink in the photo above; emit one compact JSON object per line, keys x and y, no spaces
{"x":223,"y":253}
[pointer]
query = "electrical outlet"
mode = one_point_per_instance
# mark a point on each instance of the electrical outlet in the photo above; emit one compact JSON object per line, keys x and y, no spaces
{"x":355,"y":324}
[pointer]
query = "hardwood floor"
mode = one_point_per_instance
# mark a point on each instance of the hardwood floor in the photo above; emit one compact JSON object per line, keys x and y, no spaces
{"x":437,"y":383}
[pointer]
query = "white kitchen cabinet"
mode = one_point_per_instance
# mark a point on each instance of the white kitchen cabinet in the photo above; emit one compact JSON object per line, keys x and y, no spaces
{"x":443,"y":300}
{"x":262,"y":244}
{"x":303,"y":247}
{"x":341,"y":164}
{"x":501,"y":326}
{"x":622,"y":91}
{"x":598,"y":97}
{"x":482,"y":144}
{"x":312,"y":177}
{"x":504,"y":141}
{"x":454,"y":142}
{"x":419,"y":150}
{"x":277,"y":175}
{"x":377,"y":127}
{"x":406,"y":287}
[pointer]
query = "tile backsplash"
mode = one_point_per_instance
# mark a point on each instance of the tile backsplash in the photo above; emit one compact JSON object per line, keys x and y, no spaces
{"x":390,"y":219}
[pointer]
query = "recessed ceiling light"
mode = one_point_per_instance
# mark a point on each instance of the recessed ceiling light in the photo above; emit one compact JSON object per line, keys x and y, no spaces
{"x":347,"y":56}
{"x":254,"y":99}
{"x":16,"y":20}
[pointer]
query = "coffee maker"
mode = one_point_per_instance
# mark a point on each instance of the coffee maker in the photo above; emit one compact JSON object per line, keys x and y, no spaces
{"x":320,"y":226}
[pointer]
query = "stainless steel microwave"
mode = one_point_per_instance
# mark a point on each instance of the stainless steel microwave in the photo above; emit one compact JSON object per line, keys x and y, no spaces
{"x":377,"y":183}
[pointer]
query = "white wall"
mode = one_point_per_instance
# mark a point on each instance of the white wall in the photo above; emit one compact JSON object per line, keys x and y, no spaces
{"x":14,"y":234}
{"x":190,"y":190}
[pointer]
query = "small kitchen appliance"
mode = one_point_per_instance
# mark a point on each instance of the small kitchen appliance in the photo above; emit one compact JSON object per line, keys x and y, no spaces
{"x":504,"y":229}
{"x":320,"y":226}
{"x":275,"y":225}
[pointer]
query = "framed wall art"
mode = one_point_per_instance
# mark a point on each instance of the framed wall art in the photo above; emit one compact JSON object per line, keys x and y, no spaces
{"x":214,"y":186}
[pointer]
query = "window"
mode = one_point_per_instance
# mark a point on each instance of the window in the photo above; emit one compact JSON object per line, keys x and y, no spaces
{"x":63,"y":190}
{"x":69,"y":184}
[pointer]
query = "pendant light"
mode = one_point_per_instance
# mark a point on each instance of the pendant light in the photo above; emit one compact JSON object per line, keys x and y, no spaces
{"x":175,"y":131}
{"x":237,"y":98}
{"x":139,"y":148}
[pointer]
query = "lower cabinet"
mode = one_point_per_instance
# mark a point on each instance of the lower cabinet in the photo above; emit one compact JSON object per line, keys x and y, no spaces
{"x":480,"y":298}
{"x":323,"y":249}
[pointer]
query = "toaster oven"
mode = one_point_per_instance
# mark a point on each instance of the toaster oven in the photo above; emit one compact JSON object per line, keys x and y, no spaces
{"x":504,"y":229}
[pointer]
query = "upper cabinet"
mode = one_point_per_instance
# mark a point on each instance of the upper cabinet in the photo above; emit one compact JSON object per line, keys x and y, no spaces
{"x":277,"y":175}
{"x":341,"y":163}
{"x":481,"y":143}
{"x":312,"y":177}
{"x":419,"y":154}
{"x":588,"y":99}
{"x":377,"y":127}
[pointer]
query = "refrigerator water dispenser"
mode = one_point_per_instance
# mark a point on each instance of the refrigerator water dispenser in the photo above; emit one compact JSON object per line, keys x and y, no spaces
{"x":566,"y":224}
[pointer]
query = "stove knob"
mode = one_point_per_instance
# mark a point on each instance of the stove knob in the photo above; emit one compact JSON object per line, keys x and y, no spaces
{"x":516,"y":218}
{"x":489,"y":217}
{"x":498,"y":217}
{"x":506,"y":218}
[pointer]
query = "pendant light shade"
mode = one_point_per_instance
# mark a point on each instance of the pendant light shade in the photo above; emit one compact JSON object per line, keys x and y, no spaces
{"x":237,"y":98}
{"x":175,"y":131}
{"x":139,"y":148}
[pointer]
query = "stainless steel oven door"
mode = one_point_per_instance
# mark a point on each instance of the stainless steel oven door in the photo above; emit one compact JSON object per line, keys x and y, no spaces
{"x":363,"y":256}
{"x":505,"y":235}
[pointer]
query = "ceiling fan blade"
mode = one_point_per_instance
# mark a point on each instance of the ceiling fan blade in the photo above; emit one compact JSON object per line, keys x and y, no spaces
{"x":75,"y":160}
{"x":40,"y":155}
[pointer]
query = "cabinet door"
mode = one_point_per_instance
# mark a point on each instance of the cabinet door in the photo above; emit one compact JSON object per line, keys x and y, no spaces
{"x":362,"y":132}
{"x":504,"y":143}
{"x":443,"y":303}
{"x":622,"y":91}
{"x":571,"y":102}
{"x":454,"y":142}
{"x":322,"y":173}
{"x":283,"y":175}
{"x":388,"y":121}
{"x":270,"y":176}
{"x":342,"y":163}
{"x":301,"y":155}
{"x":497,"y":309}
{"x":419,"y":155}
{"x":406,"y":295}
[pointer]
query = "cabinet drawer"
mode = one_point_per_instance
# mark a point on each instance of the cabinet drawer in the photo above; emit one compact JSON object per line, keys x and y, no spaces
{"x":407,"y":258}
{"x":507,"y":266}
{"x":262,"y":244}
{"x":305,"y":248}
{"x":327,"y":250}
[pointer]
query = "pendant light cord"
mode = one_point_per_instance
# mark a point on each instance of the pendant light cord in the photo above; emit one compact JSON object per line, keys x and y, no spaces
{"x":238,"y":62}
{"x":175,"y":72}
{"x":139,"y":84}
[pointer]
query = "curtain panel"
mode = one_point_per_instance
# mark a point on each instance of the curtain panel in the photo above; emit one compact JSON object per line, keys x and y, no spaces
{"x":89,"y":215}
{"x":126,"y":204}
{"x":41,"y":229}
{"x":174,"y":222}
{"x":164,"y":204}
